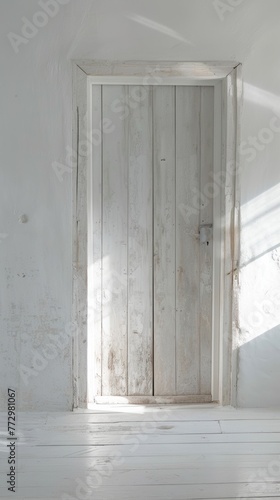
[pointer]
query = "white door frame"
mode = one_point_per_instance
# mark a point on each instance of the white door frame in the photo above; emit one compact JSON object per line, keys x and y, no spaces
{"x":227,"y":82}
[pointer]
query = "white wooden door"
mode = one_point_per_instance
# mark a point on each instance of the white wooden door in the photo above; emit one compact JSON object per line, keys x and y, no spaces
{"x":152,"y":178}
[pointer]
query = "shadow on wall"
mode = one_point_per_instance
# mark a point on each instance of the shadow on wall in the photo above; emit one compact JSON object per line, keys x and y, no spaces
{"x":259,"y":363}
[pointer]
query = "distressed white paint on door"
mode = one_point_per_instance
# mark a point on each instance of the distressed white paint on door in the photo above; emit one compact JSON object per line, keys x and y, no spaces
{"x":140,"y":244}
{"x":156,"y":280}
{"x":95,"y":272}
{"x":206,"y":249}
{"x":114,"y":248}
{"x":187,"y":243}
{"x":164,"y":240}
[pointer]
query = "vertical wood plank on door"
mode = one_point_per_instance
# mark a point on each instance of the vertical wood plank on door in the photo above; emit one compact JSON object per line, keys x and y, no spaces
{"x":164,"y":240}
{"x":80,"y":241}
{"x":95,"y":281}
{"x":187,"y":242}
{"x":207,"y":188}
{"x":140,"y":244}
{"x":114,"y":258}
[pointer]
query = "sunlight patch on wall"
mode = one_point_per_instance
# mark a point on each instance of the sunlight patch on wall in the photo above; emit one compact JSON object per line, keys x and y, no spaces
{"x":259,"y":304}
{"x":260,"y":220}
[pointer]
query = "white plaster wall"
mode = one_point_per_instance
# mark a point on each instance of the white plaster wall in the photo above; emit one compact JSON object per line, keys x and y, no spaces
{"x":36,"y":130}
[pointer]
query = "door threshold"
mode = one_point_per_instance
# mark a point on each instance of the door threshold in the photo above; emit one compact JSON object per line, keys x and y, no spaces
{"x":147,"y":400}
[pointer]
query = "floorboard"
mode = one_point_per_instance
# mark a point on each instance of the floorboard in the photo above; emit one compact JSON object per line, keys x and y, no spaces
{"x":155,"y":453}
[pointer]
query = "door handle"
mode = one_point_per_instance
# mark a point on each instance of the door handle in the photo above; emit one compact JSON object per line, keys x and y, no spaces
{"x":205,"y":233}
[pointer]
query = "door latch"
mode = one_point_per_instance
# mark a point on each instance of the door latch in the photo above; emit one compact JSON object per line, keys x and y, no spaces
{"x":205,"y":233}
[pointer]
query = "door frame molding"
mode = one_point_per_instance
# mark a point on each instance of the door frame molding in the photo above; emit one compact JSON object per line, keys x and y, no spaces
{"x":226,"y":77}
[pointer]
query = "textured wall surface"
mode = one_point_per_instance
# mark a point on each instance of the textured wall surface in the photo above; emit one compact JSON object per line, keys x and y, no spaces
{"x":36,"y":52}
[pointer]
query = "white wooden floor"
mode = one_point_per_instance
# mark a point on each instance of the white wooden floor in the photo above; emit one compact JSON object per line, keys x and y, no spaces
{"x":137,"y":452}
